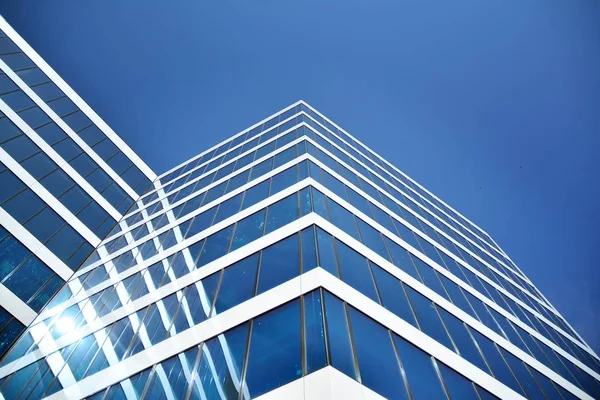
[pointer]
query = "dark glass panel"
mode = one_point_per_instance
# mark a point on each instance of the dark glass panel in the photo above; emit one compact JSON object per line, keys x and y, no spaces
{"x":275,"y":341}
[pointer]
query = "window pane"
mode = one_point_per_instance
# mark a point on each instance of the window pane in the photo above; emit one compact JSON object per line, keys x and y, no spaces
{"x":428,"y":317}
{"x":275,"y":356}
{"x":423,"y":380}
{"x":314,"y":332}
{"x":501,"y":371}
{"x":338,"y":340}
{"x":248,"y":229}
{"x":282,"y":212}
{"x":279,"y":263}
{"x":256,"y":194}
{"x":229,"y":346}
{"x":377,"y":361}
{"x":343,"y":219}
{"x":237,"y":284}
{"x":393,"y":296}
{"x":458,"y":386}
{"x":12,"y":254}
{"x":463,"y":341}
{"x":309,"y":249}
{"x":216,"y":245}
{"x":372,"y":239}
{"x":327,"y":259}
{"x":355,"y":271}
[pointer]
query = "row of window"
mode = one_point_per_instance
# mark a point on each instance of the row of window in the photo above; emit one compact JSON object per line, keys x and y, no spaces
{"x":171,"y":315}
{"x":420,"y":208}
{"x":57,"y":182}
{"x":24,"y":274}
{"x":41,"y":221}
{"x":244,"y":174}
{"x":439,"y":283}
{"x":194,"y":304}
{"x":206,"y":250}
{"x":424,"y":246}
{"x":212,"y":173}
{"x":423,"y":314}
{"x":341,"y":190}
{"x":333,"y":183}
{"x":411,"y":204}
{"x":214,"y":163}
{"x":395,"y":225}
{"x":193,"y":205}
{"x":201,"y":253}
{"x":149,"y":249}
{"x":71,"y":114}
{"x":292,"y":341}
{"x":218,"y":244}
{"x":276,"y":348}
{"x":376,"y":162}
{"x":229,"y":145}
{"x":225,"y":166}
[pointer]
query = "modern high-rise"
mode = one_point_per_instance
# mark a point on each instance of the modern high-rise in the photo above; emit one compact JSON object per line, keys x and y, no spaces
{"x":289,"y":261}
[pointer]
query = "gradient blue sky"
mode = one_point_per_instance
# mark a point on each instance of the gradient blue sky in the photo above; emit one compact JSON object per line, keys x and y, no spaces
{"x":494,"y":106}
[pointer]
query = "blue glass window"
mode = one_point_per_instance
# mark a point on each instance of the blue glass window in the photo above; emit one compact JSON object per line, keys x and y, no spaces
{"x":402,"y":260}
{"x":524,"y":376}
{"x":279,"y":263}
{"x":12,"y":254}
{"x":458,"y":386}
{"x":305,"y":201}
{"x":499,"y":367}
{"x":319,"y":203}
{"x":355,"y":270}
{"x":197,"y":299}
{"x":276,"y":341}
{"x":28,"y":278}
{"x":343,"y":219}
{"x":340,"y":347}
{"x":393,"y":296}
{"x":228,"y":208}
{"x":283,"y":180}
{"x":376,"y":357}
{"x":8,"y":130}
{"x":248,"y":229}
{"x":428,"y":317}
{"x":237,"y":284}
{"x":422,"y":378}
{"x":255,"y":194}
{"x":309,"y":249}
{"x":24,"y":205}
{"x":465,"y":345}
{"x":216,"y":246}
{"x":327,"y":259}
{"x":314,"y":332}
{"x":282,"y":212}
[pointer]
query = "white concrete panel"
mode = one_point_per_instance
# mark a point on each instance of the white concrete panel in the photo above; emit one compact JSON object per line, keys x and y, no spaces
{"x":15,"y":306}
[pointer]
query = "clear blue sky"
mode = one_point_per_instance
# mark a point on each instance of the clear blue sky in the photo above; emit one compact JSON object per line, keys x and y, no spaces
{"x":494,"y":106}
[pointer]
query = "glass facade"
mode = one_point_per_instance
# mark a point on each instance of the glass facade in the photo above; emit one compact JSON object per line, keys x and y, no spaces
{"x":65,"y":183}
{"x":287,"y":250}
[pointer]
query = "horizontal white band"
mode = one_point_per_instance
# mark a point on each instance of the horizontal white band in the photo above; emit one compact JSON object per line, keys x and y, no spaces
{"x":57,"y":158}
{"x":62,"y":85}
{"x":15,"y":306}
{"x":47,"y":197}
{"x":34,"y":245}
{"x":263,"y":303}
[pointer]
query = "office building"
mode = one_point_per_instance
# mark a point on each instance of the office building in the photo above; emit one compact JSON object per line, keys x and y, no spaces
{"x":290,"y":261}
